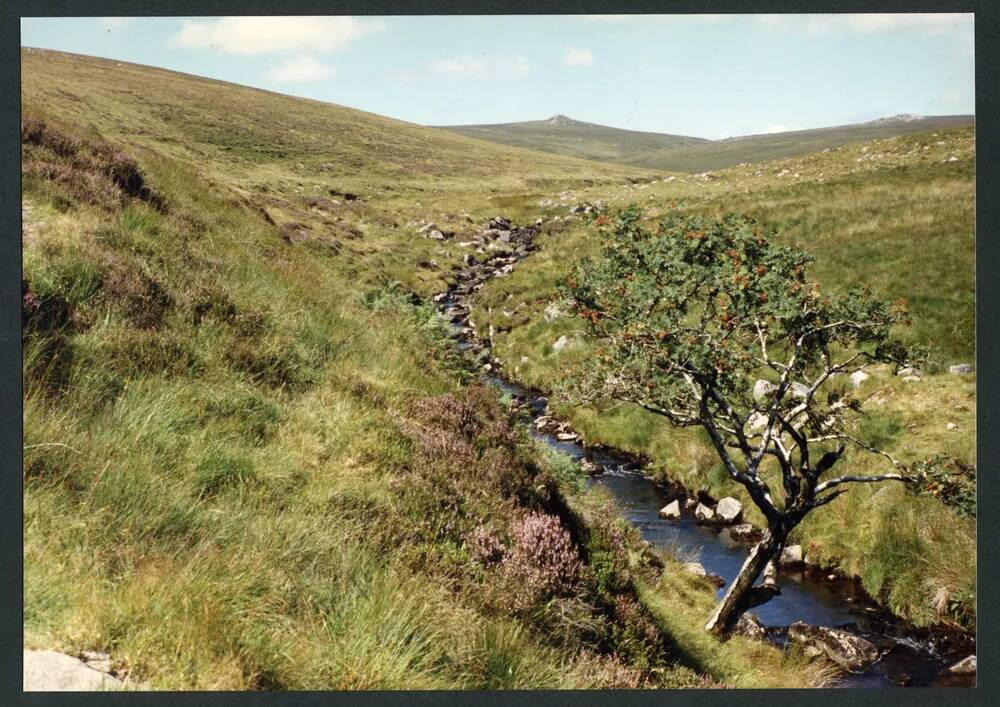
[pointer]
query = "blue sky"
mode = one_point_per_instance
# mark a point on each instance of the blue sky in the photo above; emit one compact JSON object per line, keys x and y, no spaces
{"x":704,"y":75}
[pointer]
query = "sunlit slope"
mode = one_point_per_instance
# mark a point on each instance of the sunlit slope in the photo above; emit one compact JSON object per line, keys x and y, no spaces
{"x":720,"y":154}
{"x":565,"y":136}
{"x":251,"y":134}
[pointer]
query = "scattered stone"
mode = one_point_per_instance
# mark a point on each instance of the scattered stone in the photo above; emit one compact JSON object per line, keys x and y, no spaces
{"x":728,"y":510}
{"x":567,"y":436}
{"x":744,"y":532}
{"x":690,"y":503}
{"x":750,"y":626}
{"x":703,"y":513}
{"x":911,"y":379}
{"x":908,"y":371}
{"x":960,"y":368}
{"x":560,"y":343}
{"x":791,"y":555}
{"x":859,"y":377}
{"x":553,"y":312}
{"x":671,"y":511}
{"x":590,"y":468}
{"x":851,"y":652}
{"x":966,"y":666}
{"x":51,"y":671}
{"x":799,"y":390}
{"x":763,"y":388}
{"x":951,"y":426}
{"x":757,"y":421}
{"x":436,"y":235}
{"x":695,"y":568}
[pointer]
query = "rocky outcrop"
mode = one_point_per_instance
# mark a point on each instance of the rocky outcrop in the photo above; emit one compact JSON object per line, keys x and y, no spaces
{"x":850,"y":651}
{"x":52,"y":671}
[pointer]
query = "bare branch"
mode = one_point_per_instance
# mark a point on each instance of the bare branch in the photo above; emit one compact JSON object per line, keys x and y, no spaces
{"x":859,"y":479}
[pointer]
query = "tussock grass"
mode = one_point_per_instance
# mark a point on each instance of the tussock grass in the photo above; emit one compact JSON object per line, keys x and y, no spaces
{"x":896,"y":215}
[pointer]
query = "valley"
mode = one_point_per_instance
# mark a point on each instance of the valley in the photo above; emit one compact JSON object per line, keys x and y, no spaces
{"x":256,"y":456}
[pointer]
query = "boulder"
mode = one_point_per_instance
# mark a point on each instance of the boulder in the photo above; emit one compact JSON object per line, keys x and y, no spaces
{"x":750,"y":626}
{"x":744,"y":531}
{"x":553,"y":312}
{"x":695,"y":568}
{"x":908,"y":371}
{"x":911,"y":379}
{"x":799,"y":390}
{"x":704,"y":514}
{"x":436,"y":235}
{"x":960,"y":368}
{"x":859,"y":377}
{"x":561,"y":343}
{"x":851,"y":652}
{"x":671,"y":511}
{"x":51,"y":671}
{"x":791,"y":555}
{"x":757,"y":421}
{"x":763,"y":388}
{"x":728,"y":510}
{"x":965,"y":666}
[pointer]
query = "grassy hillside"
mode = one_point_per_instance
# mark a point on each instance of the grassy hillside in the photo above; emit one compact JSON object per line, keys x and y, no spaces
{"x":565,"y":136}
{"x":720,"y":154}
{"x":897,"y":215}
{"x":252,"y":459}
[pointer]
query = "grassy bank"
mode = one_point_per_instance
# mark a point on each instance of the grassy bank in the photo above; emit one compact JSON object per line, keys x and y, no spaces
{"x":250,"y":461}
{"x":896,"y":215}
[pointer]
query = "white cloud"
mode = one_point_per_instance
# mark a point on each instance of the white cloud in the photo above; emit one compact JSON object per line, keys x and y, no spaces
{"x":299,"y":70}
{"x":578,"y":57}
{"x":466,"y":66}
{"x":268,"y":35}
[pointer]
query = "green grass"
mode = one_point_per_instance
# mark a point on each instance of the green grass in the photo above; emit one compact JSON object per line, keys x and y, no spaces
{"x":721,"y":154}
{"x":677,"y":153}
{"x":564,"y":136}
{"x":225,"y":483}
{"x":890,"y":215}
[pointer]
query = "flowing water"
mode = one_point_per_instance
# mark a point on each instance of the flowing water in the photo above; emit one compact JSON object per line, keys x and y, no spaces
{"x":914,"y":657}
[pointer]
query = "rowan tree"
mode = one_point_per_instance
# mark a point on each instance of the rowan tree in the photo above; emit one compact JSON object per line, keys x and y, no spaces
{"x":712,"y":324}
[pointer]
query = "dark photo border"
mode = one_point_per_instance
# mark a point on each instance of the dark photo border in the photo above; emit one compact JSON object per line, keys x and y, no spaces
{"x":987,"y":48}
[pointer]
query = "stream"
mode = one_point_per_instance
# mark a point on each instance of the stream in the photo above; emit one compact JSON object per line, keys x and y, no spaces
{"x":913,"y":657}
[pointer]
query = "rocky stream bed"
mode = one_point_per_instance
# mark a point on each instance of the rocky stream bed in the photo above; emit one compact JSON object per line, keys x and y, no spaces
{"x":820,"y":608}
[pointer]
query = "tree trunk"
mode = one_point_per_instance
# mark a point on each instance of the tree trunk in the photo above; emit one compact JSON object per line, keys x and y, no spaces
{"x":742,"y":594}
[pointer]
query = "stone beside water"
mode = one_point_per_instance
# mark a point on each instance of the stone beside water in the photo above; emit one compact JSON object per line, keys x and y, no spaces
{"x":729,"y":510}
{"x":671,"y":511}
